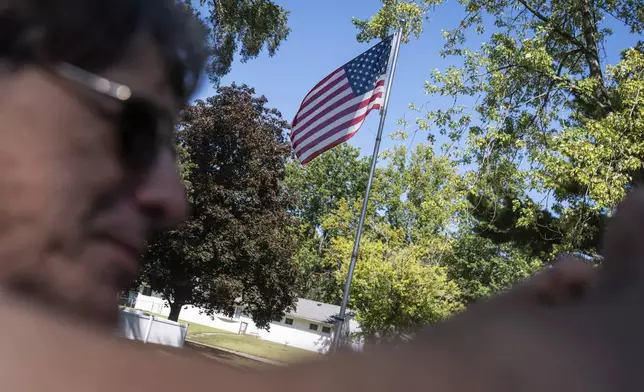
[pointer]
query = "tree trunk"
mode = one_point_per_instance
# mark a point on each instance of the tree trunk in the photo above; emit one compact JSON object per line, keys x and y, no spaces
{"x":589,"y":32}
{"x":175,"y":309}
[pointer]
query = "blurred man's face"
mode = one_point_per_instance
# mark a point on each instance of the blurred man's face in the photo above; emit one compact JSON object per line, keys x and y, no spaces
{"x":74,"y":212}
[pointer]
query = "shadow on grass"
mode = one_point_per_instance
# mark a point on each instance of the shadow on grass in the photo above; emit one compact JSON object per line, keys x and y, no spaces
{"x":258,"y":347}
{"x":229,"y":359}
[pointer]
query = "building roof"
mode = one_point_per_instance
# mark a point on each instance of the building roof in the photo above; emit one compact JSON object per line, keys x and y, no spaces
{"x":316,"y":311}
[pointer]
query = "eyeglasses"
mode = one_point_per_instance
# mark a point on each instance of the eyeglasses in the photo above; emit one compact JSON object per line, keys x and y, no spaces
{"x":143,"y":126}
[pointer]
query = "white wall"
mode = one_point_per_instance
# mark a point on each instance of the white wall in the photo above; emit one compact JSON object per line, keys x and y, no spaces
{"x":296,"y":335}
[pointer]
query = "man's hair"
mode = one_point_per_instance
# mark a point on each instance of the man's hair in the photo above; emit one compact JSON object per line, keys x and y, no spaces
{"x":95,"y":34}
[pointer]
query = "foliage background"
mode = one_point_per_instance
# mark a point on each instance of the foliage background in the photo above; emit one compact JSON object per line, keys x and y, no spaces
{"x":540,"y":136}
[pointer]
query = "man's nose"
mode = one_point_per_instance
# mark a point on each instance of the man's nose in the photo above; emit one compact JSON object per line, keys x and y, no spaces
{"x":162,"y":194}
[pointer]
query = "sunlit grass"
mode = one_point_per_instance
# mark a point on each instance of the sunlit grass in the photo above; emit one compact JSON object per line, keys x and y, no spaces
{"x":246,"y":344}
{"x":257,"y":347}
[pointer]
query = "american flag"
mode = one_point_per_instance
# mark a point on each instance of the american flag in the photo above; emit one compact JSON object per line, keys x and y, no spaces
{"x":333,"y":111}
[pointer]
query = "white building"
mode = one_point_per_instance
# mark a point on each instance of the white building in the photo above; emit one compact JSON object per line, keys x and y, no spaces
{"x":310,"y":326}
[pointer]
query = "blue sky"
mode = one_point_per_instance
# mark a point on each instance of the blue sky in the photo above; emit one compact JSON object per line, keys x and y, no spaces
{"x":323,"y":38}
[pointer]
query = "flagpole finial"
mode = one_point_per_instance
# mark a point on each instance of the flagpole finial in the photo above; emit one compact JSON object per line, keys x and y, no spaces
{"x":401,"y":28}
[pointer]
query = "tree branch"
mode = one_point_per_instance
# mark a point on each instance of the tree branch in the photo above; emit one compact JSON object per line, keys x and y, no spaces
{"x":555,"y":28}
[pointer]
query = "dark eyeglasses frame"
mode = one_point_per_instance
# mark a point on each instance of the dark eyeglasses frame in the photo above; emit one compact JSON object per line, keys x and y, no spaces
{"x":125,"y":96}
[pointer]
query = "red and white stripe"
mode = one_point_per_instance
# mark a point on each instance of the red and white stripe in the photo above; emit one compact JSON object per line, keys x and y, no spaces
{"x":331,"y":114}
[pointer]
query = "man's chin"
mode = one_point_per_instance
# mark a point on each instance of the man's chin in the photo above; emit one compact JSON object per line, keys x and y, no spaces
{"x":102,"y":313}
{"x":97,"y":312}
{"x":107,"y":318}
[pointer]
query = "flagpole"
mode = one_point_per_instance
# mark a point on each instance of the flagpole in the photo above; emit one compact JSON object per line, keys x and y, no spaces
{"x":363,"y":211}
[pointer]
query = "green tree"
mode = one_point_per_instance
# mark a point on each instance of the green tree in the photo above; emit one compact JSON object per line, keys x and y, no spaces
{"x":422,"y":193}
{"x":338,"y":176}
{"x":394,"y":290}
{"x":401,"y":277}
{"x":243,"y":27}
{"x":482,"y":268}
{"x":394,"y":14}
{"x":554,"y":136}
{"x":236,"y":247}
{"x":425,"y":196}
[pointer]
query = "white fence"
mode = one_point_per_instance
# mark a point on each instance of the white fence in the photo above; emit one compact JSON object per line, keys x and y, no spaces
{"x":147,"y":328}
{"x":297,"y":334}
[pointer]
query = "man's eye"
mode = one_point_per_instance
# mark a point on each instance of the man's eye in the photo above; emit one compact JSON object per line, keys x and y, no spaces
{"x":139,"y":137}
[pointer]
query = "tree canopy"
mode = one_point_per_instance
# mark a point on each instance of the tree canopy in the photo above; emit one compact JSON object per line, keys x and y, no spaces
{"x":239,"y":27}
{"x":337,"y":176}
{"x":394,"y":290}
{"x":541,"y":138}
{"x":414,"y":266}
{"x":554,"y":132}
{"x":544,"y":137}
{"x":236,"y":247}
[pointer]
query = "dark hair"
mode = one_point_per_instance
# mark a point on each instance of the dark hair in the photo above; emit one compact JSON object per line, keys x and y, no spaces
{"x":94,"y":34}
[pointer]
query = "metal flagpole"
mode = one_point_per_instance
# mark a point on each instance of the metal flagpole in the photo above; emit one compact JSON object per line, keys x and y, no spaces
{"x":363,"y":211}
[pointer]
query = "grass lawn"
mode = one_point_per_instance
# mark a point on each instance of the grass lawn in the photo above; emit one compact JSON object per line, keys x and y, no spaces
{"x":195,"y":329}
{"x":226,"y":358}
{"x":257,"y":347}
{"x":244,"y":344}
{"x":234,"y":361}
